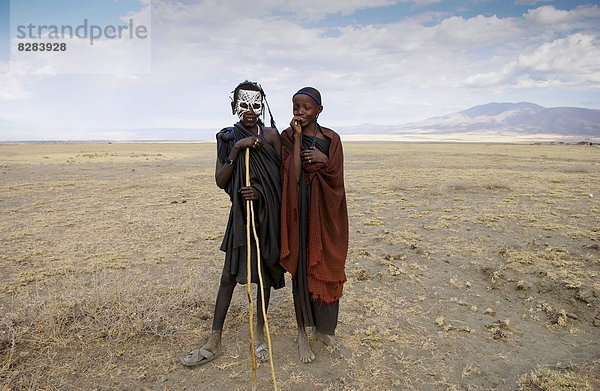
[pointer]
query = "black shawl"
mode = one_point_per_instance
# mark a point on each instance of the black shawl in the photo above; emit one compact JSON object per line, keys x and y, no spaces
{"x":264,"y":177}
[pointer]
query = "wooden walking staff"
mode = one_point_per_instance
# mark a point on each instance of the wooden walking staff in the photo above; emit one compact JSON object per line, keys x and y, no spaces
{"x":249,"y":274}
{"x":249,"y":218}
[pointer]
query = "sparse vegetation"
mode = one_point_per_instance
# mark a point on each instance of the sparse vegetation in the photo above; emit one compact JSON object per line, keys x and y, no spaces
{"x":544,"y":379}
{"x":470,"y":267}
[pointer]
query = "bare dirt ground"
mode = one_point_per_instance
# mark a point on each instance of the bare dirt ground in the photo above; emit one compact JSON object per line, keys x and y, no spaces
{"x":471,"y":267}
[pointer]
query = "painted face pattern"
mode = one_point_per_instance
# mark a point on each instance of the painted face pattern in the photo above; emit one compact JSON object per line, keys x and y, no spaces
{"x":248,"y":100}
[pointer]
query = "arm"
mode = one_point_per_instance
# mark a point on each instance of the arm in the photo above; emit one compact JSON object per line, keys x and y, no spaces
{"x":223,"y":171}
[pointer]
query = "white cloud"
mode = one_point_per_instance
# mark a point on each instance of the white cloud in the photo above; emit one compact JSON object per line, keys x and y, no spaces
{"x":549,"y":15}
{"x":573,"y":59}
{"x":584,"y":16}
{"x":570,"y":61}
{"x":476,"y":31}
{"x":386,"y":73}
{"x":486,"y":79}
{"x":11,"y":84}
{"x":452,"y":33}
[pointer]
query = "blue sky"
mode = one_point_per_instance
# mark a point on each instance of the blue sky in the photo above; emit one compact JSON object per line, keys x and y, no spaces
{"x":375,"y":61}
{"x":4,"y":30}
{"x":467,"y":9}
{"x":70,"y":11}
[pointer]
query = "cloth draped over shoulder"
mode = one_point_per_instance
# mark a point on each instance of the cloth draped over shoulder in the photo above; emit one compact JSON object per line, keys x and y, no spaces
{"x":265,"y":178}
{"x":327,"y":245}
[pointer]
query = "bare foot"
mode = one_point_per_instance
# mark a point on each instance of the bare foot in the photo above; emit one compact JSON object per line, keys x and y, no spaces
{"x":328,"y":340}
{"x":304,"y":351}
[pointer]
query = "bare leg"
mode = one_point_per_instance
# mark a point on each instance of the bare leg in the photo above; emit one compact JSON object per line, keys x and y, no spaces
{"x":304,"y":351}
{"x":213,"y":345}
{"x":262,"y":353}
{"x":224,"y":295}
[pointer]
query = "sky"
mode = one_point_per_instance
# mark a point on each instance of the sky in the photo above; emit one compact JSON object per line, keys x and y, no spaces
{"x":384,"y":62}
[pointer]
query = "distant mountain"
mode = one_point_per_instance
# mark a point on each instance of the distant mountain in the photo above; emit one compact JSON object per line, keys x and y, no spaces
{"x":516,"y":118}
{"x":492,"y":122}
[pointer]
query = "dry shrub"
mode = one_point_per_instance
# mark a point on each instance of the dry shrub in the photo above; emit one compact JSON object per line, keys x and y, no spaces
{"x":551,"y":380}
{"x":555,"y":263}
{"x":8,"y":342}
{"x":478,"y":187}
{"x":68,"y":313}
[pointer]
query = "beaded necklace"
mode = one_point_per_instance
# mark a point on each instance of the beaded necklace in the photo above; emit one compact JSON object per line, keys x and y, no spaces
{"x":314,"y":138}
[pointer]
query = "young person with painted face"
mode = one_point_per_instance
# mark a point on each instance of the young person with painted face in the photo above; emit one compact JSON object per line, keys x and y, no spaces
{"x":230,"y":173}
{"x":314,"y":220}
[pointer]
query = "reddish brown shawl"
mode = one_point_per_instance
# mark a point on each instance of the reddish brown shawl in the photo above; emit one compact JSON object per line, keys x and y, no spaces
{"x":327,"y":245}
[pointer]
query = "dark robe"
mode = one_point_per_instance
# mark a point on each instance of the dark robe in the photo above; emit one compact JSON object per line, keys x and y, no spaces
{"x":321,"y":315}
{"x":264,"y":177}
{"x":327,"y":219}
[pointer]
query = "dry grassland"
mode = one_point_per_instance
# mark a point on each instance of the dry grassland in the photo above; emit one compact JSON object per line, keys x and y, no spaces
{"x":471,"y":267}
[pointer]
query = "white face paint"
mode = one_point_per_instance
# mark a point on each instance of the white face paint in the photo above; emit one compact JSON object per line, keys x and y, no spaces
{"x":248,"y":100}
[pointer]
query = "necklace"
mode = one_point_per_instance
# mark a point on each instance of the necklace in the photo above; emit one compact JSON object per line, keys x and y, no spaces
{"x":314,"y":138}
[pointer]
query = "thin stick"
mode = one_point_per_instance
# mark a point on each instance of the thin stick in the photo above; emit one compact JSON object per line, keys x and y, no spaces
{"x":249,"y":274}
{"x":262,"y":297}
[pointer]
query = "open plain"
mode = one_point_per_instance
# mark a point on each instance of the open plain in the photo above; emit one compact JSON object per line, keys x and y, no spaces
{"x":471,"y":267}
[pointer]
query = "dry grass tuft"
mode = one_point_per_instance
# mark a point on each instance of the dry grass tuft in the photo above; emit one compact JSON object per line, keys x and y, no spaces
{"x":469,"y":187}
{"x":104,"y":309}
{"x":555,"y":263}
{"x":500,"y":329}
{"x":545,"y":379}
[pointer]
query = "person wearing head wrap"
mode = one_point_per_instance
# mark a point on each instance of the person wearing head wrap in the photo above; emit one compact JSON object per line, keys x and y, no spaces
{"x":314,"y":220}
